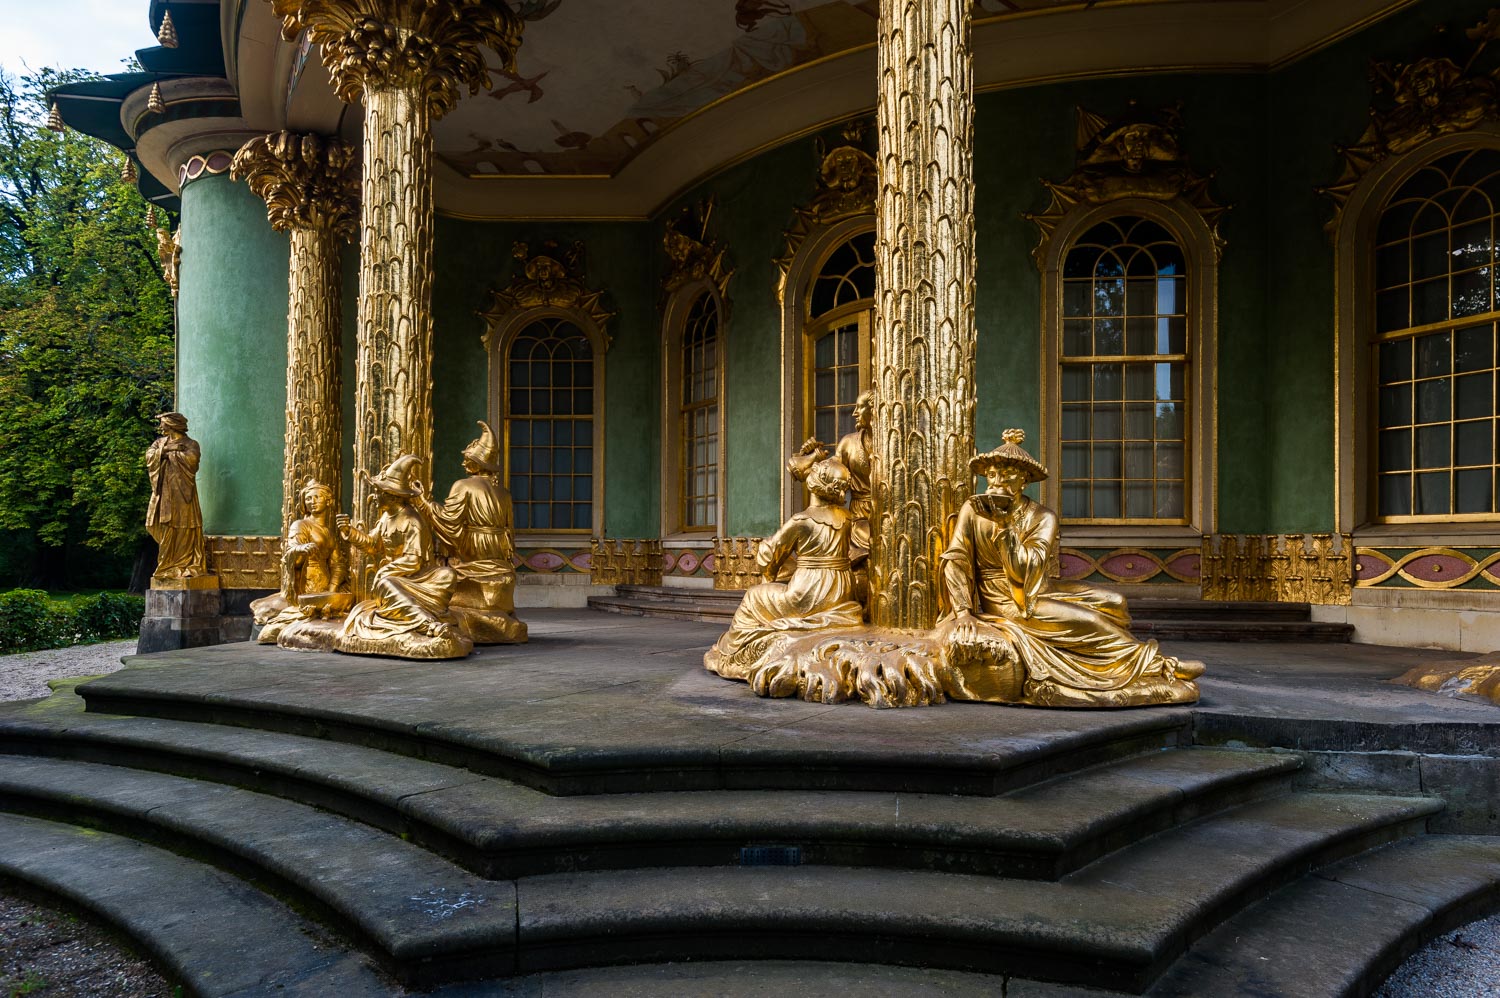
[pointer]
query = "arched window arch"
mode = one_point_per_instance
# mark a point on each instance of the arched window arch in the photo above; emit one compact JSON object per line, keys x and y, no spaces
{"x":1434,"y":339}
{"x":693,"y":434}
{"x":1128,"y":369}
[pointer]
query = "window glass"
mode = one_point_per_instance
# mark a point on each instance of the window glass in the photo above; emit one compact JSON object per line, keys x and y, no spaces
{"x":550,"y":427}
{"x":698,"y":416}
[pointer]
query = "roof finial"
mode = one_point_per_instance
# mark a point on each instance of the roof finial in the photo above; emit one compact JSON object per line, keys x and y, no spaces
{"x":154,"y":103}
{"x":54,"y":119}
{"x":166,"y":35}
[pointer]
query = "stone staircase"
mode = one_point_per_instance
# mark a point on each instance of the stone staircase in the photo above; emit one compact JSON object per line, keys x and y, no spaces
{"x":257,"y":847}
{"x":1163,"y":619}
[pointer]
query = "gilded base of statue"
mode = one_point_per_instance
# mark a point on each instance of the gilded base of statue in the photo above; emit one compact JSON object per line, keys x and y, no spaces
{"x":486,"y":612}
{"x":892,"y":669}
{"x":1479,"y":677}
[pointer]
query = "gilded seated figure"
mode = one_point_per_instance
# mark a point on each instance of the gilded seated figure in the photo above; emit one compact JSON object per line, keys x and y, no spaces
{"x":473,"y":529}
{"x":819,"y":594}
{"x":314,"y":568}
{"x":407,"y":614}
{"x":1018,"y":635}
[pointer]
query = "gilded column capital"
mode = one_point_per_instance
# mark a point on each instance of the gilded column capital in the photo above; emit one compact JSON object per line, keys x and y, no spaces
{"x":432,"y":46}
{"x":307,"y":181}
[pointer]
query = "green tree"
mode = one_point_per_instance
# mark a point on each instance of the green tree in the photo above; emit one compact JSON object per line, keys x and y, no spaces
{"x":85,"y":344}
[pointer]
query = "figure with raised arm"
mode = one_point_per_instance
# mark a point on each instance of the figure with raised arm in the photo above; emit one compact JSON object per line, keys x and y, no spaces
{"x":474,"y":530}
{"x":407,"y":614}
{"x":1019,"y":635}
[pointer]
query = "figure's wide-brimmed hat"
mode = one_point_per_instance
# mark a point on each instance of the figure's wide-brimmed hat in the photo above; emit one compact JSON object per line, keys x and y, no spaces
{"x":483,"y":451}
{"x":396,"y":478}
{"x":1012,"y":454}
{"x":174,"y":420}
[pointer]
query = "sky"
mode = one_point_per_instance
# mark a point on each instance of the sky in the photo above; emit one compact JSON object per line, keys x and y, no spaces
{"x":89,"y":34}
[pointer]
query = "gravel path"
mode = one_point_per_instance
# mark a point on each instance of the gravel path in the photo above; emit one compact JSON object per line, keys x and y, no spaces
{"x":48,"y":954}
{"x":24,"y":676}
{"x":1463,"y":964}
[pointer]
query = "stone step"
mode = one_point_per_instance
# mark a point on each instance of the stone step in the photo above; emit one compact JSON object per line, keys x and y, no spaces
{"x":1115,"y":924}
{"x":1243,"y":630}
{"x":1343,"y":930}
{"x":503,"y":830}
{"x":422,"y":917}
{"x":216,"y":934}
{"x":658,"y":739}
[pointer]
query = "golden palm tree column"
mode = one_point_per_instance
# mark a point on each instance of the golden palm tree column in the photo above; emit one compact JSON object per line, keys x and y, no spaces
{"x":311,"y":188}
{"x":408,"y":61}
{"x":924,"y":303}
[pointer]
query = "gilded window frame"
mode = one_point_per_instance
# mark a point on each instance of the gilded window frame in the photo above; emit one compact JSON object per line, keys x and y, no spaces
{"x":1196,"y":240}
{"x":499,"y":336}
{"x":676,"y":312}
{"x":797,"y":326}
{"x":1355,"y":415}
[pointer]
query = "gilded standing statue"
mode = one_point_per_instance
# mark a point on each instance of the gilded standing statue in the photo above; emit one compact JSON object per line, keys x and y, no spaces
{"x":819,"y":594}
{"x":173,"y":518}
{"x":1019,"y":635}
{"x":407,"y":614}
{"x":474,"y":530}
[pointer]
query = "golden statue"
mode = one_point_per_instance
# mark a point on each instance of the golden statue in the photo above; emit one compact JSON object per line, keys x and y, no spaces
{"x":407,"y":614}
{"x":474,"y":530}
{"x":314,"y":568}
{"x":819,"y":594}
{"x":1021,"y":636}
{"x":173,"y":518}
{"x":853,"y":449}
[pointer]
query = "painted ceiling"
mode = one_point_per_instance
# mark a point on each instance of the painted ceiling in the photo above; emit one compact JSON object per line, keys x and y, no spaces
{"x":596,"y":81}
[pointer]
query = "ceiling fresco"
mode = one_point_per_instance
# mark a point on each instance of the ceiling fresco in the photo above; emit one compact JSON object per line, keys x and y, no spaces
{"x":596,"y":81}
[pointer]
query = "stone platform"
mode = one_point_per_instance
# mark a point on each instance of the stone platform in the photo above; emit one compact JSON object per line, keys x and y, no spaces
{"x":582,"y":814}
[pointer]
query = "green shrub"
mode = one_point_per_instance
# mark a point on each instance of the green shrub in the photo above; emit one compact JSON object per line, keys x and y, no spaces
{"x":30,"y":620}
{"x":108,"y":615}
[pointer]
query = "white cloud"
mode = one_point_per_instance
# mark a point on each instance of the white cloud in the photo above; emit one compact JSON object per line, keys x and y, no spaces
{"x":87,"y":34}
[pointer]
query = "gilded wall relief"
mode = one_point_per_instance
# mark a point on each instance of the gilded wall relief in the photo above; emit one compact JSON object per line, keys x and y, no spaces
{"x":625,"y":562}
{"x":848,"y":183}
{"x":1417,"y":101}
{"x":1283,"y":568}
{"x":692,"y":254}
{"x":550,"y":277}
{"x":245,"y":562}
{"x":1135,"y":154}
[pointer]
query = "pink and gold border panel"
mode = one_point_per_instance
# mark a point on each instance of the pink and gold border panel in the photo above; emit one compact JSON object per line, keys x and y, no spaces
{"x":1131,"y":566}
{"x":1427,"y":568}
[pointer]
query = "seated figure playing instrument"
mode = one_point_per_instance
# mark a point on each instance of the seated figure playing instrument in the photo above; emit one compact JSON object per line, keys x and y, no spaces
{"x":473,"y":530}
{"x":407,"y":614}
{"x":314,"y":568}
{"x":819,"y":593}
{"x":1018,"y":635}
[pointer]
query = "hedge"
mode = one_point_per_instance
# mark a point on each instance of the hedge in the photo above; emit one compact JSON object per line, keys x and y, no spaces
{"x":31,"y":620}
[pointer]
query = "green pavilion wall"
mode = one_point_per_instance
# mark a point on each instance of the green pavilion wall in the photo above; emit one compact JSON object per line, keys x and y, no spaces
{"x":231,"y":353}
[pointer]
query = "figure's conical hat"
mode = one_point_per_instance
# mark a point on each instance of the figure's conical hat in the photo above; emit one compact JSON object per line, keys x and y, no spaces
{"x":396,"y":478}
{"x":1010,"y":453}
{"x":483,"y":451}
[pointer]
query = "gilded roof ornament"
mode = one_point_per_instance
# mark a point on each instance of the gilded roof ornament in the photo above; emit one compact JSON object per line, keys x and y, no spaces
{"x":1136,"y":154}
{"x":848,"y":182}
{"x":166,"y":35}
{"x":169,"y":255}
{"x":692,"y":255}
{"x":307,"y":181}
{"x":553,"y":277}
{"x":436,"y":46}
{"x":1418,"y":101}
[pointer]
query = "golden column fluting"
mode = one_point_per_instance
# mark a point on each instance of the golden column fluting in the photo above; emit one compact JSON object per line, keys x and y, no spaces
{"x":408,"y":61}
{"x":924,"y":303}
{"x":311,"y":187}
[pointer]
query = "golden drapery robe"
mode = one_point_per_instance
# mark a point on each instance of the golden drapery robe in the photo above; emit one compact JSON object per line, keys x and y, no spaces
{"x":853,"y":449}
{"x":815,"y":598}
{"x":474,"y":529}
{"x":173,"y":519}
{"x":1072,"y":639}
{"x":407,"y":613}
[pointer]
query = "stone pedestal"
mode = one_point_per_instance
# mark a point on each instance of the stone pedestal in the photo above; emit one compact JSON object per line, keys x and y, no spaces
{"x":181,"y":613}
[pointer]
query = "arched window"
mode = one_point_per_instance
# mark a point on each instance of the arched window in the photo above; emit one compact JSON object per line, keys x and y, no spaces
{"x":698,"y":416}
{"x":1434,"y":354}
{"x":549,"y":426}
{"x":1124,"y":375}
{"x":836,"y":353}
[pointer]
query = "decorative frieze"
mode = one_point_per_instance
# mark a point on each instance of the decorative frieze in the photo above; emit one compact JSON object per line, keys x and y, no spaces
{"x":1283,"y":568}
{"x":625,"y":562}
{"x":734,"y":562}
{"x":1427,"y":568}
{"x":245,"y":562}
{"x":1132,"y":565}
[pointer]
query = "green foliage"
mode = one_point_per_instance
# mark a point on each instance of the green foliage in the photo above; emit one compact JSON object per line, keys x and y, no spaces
{"x":85,"y":333}
{"x":31,"y":620}
{"x":34,"y":983}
